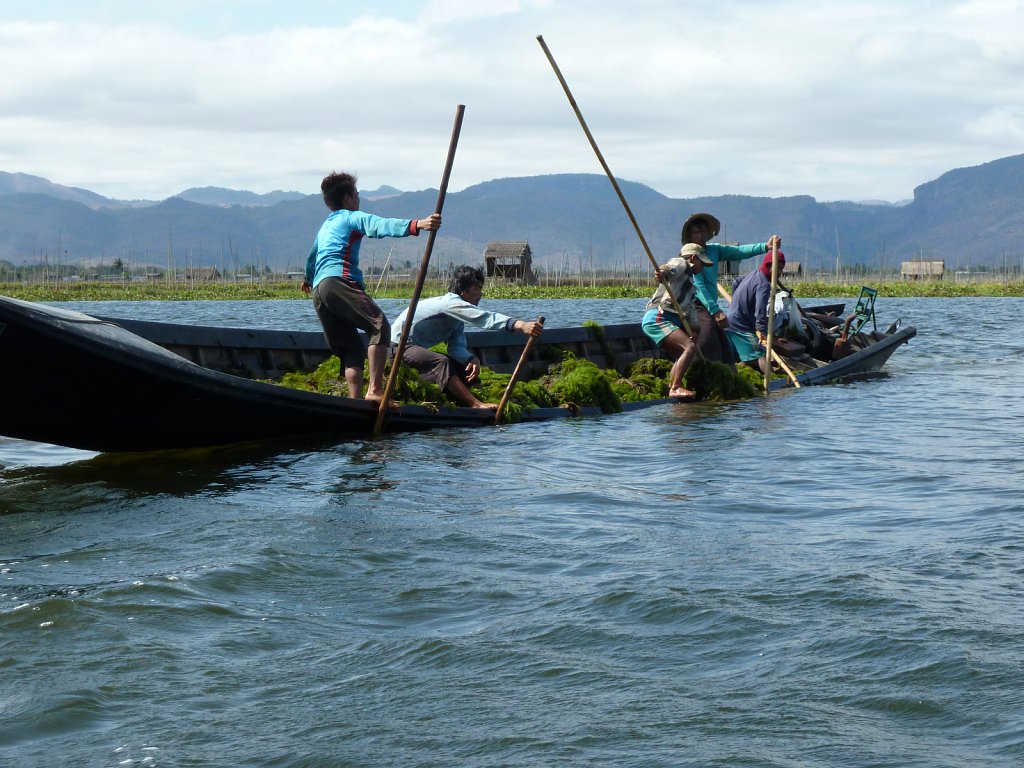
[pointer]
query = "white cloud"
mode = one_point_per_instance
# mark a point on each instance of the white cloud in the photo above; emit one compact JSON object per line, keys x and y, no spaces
{"x":844,"y":100}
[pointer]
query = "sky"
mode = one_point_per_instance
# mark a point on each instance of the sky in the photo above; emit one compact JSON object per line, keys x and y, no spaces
{"x":841,"y":100}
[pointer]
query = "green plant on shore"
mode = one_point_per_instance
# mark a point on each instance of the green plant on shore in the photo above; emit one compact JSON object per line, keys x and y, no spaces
{"x":94,"y":291}
{"x":226,"y":291}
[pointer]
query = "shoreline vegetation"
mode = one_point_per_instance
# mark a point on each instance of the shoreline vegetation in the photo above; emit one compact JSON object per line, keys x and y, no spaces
{"x":495,"y":289}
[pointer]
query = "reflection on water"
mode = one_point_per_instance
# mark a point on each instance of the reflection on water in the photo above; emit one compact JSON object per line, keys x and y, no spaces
{"x":182,"y":473}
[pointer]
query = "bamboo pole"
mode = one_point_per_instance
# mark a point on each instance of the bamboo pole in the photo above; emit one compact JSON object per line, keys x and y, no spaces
{"x":615,"y":184}
{"x":515,"y":375}
{"x":421,"y":275}
{"x":771,"y":314}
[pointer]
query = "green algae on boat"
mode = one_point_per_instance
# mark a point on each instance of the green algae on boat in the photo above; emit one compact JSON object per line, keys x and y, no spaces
{"x":569,"y":381}
{"x":712,"y":380}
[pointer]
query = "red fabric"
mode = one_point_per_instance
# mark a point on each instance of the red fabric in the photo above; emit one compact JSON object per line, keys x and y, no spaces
{"x":766,"y":264}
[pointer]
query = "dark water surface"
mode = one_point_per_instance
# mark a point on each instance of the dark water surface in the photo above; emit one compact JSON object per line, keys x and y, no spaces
{"x":826,"y":577}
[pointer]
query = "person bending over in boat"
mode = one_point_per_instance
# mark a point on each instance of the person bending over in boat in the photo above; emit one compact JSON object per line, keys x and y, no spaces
{"x":661,"y":321}
{"x":336,"y":282}
{"x":699,"y":228}
{"x":748,"y":311}
{"x":444,"y":318}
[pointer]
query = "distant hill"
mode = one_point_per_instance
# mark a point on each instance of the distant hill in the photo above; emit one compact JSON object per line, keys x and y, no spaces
{"x":228,"y":197}
{"x":968,"y":216}
{"x":23,"y":184}
{"x":381,"y":191}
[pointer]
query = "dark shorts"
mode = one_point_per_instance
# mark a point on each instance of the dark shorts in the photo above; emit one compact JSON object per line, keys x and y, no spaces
{"x":713,"y":342}
{"x":432,"y":366}
{"x":344,"y":310}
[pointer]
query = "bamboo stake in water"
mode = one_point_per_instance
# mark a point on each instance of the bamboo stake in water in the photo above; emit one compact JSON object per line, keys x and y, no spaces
{"x":383,"y":271}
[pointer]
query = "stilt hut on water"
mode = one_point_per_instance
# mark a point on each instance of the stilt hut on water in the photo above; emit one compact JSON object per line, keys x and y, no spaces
{"x":922,"y":270}
{"x":510,"y":261}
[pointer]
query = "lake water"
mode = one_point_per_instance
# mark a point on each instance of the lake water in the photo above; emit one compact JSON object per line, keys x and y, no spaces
{"x":824,"y":577}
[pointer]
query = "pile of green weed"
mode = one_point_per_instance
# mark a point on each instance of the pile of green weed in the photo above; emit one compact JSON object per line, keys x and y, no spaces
{"x":328,"y":379}
{"x":716,"y":381}
{"x":569,"y":381}
{"x":753,"y":377}
{"x":647,"y":379}
{"x":581,"y":383}
{"x":756,"y":378}
{"x":525,"y":395}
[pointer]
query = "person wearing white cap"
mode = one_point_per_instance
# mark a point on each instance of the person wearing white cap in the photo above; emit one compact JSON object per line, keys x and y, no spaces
{"x":676,"y":335}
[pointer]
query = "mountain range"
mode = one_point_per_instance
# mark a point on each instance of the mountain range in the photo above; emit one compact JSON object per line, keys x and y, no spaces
{"x":969,"y":217}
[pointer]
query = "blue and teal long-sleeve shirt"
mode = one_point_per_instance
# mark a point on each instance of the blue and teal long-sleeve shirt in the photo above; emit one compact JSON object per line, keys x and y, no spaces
{"x":336,"y":250}
{"x":707,"y":281}
{"x":444,"y":318}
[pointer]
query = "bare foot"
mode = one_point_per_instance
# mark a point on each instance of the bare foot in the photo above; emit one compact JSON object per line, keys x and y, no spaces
{"x":682,"y":392}
{"x":376,"y":399}
{"x":492,"y":406}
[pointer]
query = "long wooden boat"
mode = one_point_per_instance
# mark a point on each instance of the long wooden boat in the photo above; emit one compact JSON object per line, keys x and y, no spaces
{"x":107,"y":384}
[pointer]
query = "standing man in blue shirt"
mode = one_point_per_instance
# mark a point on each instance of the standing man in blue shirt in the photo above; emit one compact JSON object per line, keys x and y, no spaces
{"x":336,"y":282}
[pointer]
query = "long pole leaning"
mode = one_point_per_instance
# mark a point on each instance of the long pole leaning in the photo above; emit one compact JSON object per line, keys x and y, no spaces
{"x":611,"y":178}
{"x":771,"y":314}
{"x":775,"y":355}
{"x":421,"y":276}
{"x":515,"y":375}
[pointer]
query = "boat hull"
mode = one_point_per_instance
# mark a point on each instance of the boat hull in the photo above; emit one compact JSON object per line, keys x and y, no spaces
{"x":102,"y":384}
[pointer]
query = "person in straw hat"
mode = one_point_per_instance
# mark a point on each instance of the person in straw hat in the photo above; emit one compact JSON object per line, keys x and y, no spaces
{"x":698,"y":229}
{"x":676,"y":335}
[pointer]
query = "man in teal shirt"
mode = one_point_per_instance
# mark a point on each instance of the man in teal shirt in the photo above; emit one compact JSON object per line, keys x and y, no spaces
{"x":699,"y":228}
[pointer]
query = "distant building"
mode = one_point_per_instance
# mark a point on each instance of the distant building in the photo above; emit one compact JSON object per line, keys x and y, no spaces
{"x":510,"y":261}
{"x":792,"y":269}
{"x":922,"y":270}
{"x":202,"y":274}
